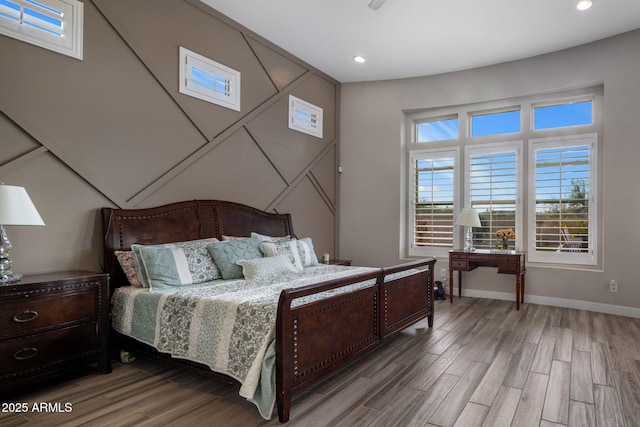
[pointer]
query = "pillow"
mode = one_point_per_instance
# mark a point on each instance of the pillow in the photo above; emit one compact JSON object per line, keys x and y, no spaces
{"x":306,"y":252}
{"x":128,"y":263}
{"x":266,"y":268}
{"x":264,"y":238}
{"x":284,"y":247}
{"x":225,"y":255}
{"x":227,"y":238}
{"x":191,"y":257}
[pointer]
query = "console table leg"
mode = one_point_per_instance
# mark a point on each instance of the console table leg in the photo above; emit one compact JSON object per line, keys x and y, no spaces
{"x":459,"y":283}
{"x":450,"y":285}
{"x":517,"y":292}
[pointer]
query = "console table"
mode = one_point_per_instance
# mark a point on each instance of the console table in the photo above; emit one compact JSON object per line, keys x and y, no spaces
{"x":508,"y":262}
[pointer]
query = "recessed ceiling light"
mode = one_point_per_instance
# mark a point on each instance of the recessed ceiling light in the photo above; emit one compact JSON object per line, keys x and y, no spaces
{"x":360,"y":59}
{"x":584,"y":4}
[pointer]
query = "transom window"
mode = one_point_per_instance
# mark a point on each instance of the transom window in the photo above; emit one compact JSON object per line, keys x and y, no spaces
{"x":536,"y":156}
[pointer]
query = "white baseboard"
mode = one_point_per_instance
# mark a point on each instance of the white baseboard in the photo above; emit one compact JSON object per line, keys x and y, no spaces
{"x":555,"y":302}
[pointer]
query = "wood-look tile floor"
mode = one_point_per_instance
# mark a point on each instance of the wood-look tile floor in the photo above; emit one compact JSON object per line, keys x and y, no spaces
{"x":482,"y":364}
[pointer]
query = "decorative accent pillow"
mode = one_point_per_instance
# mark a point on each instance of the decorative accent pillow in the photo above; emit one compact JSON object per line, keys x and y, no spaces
{"x":286,"y":247}
{"x":306,"y":251}
{"x":191,"y":257}
{"x":228,"y":238}
{"x":225,"y":255}
{"x":266,"y":268}
{"x":264,"y":238}
{"x":128,"y":263}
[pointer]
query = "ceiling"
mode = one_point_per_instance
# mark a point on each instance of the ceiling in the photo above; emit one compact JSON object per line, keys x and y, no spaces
{"x":408,"y":38}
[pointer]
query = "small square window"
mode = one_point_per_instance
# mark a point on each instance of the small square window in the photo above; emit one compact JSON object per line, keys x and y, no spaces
{"x":305,"y":117}
{"x":205,"y":79}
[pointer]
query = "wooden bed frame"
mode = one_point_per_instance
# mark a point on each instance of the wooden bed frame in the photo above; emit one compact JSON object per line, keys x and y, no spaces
{"x":312,"y":339}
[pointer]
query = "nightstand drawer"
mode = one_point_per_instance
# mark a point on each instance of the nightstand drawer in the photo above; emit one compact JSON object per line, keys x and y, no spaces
{"x":35,"y":311}
{"x":42,"y":350}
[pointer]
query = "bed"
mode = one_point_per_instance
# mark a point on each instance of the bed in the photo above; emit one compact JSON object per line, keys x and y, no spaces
{"x":318,"y":318}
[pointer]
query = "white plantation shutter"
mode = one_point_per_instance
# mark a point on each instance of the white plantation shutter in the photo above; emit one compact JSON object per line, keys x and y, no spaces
{"x":493,"y":188}
{"x":205,"y":79}
{"x":56,"y":25}
{"x":434,"y":176}
{"x":561,"y":210}
{"x":305,"y":117}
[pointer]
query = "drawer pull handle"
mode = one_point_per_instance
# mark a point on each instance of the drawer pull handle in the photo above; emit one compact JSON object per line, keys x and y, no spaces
{"x":25,"y":353}
{"x":25,"y":316}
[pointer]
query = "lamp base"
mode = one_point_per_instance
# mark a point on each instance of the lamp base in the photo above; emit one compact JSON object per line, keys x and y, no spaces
{"x":7,"y":279}
{"x":468,"y":244}
{"x":6,"y":275}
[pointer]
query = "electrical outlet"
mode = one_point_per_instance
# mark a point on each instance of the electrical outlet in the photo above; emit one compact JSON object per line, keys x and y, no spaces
{"x":613,"y":286}
{"x":443,"y":272}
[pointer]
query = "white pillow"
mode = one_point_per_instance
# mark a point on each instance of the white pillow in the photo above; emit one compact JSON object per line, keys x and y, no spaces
{"x":286,"y":247}
{"x":264,"y":268}
{"x":264,"y":238}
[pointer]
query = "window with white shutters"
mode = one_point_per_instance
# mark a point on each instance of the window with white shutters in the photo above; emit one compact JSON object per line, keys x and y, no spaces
{"x":561,"y":204}
{"x":493,"y":189}
{"x":434,"y":189}
{"x":51,"y":24}
{"x":205,"y":79}
{"x":305,"y":117}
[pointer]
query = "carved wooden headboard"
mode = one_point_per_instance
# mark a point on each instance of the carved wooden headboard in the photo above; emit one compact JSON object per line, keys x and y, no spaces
{"x":182,"y":221}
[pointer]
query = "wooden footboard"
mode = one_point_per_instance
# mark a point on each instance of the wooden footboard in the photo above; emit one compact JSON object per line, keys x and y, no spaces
{"x":406,"y":299}
{"x":314,"y":339}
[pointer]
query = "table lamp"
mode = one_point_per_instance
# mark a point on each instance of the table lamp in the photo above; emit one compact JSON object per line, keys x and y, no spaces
{"x":16,"y":208}
{"x":469,"y":217}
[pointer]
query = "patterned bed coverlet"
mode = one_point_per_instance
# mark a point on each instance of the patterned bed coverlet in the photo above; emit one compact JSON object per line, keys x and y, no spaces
{"x":228,"y":325}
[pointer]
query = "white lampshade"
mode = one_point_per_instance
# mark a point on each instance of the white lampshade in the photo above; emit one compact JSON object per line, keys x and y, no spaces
{"x":469,"y":217}
{"x":16,"y":208}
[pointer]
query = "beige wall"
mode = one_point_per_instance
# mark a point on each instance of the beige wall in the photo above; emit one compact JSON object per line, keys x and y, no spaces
{"x":371,"y":129}
{"x":112,"y":129}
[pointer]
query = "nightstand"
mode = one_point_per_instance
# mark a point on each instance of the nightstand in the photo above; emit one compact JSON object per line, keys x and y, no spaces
{"x":50,"y":323}
{"x":337,"y":262}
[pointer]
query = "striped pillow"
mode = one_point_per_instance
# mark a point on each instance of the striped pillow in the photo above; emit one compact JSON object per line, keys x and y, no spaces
{"x":176,"y":264}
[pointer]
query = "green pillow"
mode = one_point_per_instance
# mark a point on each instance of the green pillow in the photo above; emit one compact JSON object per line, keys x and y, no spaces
{"x":226,"y":254}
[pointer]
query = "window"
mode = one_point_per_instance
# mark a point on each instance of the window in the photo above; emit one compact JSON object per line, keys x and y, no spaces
{"x":561,"y":212}
{"x":305,"y":117}
{"x":437,"y":129}
{"x":51,"y":24}
{"x":493,"y":189}
{"x":483,"y":124}
{"x":208,"y":80}
{"x":563,"y":115}
{"x":528,"y":164}
{"x":433,"y":197}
